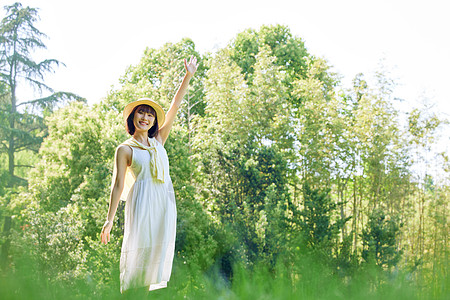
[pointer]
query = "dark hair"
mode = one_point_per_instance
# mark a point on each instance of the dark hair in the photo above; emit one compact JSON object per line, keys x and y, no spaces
{"x":153,"y":131}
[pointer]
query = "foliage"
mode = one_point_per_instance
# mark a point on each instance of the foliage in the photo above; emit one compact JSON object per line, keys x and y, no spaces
{"x":22,"y":129}
{"x":286,"y":186}
{"x":317,"y":219}
{"x":380,"y":240}
{"x":304,"y":278}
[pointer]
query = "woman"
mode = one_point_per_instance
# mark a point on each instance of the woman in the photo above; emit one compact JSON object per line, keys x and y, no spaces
{"x":141,"y":176}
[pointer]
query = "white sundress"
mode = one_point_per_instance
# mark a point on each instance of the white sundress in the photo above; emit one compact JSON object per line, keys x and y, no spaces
{"x":150,"y":226}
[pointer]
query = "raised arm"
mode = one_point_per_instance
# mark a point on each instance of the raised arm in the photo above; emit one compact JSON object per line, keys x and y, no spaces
{"x":121,"y":161}
{"x":164,"y":130}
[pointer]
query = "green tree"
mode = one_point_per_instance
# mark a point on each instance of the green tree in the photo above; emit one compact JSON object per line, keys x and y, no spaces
{"x":422,"y":128}
{"x":289,"y":52}
{"x":19,"y":37}
{"x":314,"y":126}
{"x":375,"y":157}
{"x":22,"y":130}
{"x":379,"y":240}
{"x":64,"y":207}
{"x":239,"y":148}
{"x":318,"y":220}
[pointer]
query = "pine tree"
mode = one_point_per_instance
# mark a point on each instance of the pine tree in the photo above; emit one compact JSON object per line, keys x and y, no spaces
{"x":22,"y":130}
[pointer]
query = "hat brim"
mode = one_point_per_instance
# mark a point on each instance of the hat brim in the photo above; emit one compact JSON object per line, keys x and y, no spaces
{"x":160,"y":115}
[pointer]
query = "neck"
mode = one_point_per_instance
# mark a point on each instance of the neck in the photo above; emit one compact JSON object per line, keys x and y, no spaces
{"x":141,"y":137}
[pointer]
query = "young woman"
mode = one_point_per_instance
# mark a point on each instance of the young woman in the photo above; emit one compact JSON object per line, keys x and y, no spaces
{"x":141,"y":176}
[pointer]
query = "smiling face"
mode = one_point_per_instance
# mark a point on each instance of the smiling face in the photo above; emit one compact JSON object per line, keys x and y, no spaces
{"x":144,"y":117}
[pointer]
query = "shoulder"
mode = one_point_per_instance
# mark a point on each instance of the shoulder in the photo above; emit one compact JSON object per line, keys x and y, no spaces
{"x":124,"y":150}
{"x":124,"y":154}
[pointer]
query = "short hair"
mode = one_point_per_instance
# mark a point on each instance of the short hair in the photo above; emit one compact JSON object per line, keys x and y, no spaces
{"x":153,"y":131}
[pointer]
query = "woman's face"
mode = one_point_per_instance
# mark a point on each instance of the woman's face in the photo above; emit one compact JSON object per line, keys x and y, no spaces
{"x":143,"y":119}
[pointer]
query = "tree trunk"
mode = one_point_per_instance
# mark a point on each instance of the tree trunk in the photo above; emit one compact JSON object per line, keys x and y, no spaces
{"x":11,"y":149}
{"x":341,"y":188}
{"x":355,"y":216}
{"x":12,"y":123}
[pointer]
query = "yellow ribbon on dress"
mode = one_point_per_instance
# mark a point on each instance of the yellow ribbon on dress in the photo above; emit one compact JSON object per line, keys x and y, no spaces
{"x":156,"y":165}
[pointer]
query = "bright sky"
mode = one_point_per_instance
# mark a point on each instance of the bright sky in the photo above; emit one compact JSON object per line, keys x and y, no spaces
{"x":98,"y":39}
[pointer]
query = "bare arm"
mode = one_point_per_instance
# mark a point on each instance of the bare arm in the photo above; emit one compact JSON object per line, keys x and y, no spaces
{"x":122,"y":160}
{"x":164,"y":131}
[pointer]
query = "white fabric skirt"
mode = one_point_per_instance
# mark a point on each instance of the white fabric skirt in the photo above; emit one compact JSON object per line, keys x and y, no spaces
{"x":149,"y":235}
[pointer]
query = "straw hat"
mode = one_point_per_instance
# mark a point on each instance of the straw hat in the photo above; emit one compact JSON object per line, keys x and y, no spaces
{"x":160,"y":115}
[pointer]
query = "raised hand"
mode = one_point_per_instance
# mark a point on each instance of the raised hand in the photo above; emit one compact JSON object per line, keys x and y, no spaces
{"x":191,"y":66}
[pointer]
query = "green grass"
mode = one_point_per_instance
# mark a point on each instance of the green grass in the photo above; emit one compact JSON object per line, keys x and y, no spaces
{"x":304,"y":279}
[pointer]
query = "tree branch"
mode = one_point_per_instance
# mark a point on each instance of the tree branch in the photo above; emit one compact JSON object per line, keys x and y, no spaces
{"x":52,"y":99}
{"x":5,"y":145}
{"x":20,"y":180}
{"x":23,"y":166}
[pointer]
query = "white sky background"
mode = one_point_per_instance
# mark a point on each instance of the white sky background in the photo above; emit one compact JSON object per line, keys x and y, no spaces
{"x":98,"y":39}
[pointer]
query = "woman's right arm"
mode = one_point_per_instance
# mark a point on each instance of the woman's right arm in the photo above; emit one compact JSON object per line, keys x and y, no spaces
{"x":122,"y":161}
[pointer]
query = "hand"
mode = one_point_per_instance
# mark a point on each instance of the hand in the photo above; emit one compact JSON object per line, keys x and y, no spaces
{"x":191,"y":67}
{"x":104,"y":235}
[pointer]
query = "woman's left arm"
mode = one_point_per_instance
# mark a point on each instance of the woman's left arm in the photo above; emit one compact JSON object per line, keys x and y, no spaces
{"x":164,"y":130}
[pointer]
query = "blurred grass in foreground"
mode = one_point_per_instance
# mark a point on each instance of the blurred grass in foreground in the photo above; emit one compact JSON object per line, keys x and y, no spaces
{"x":303,"y":279}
